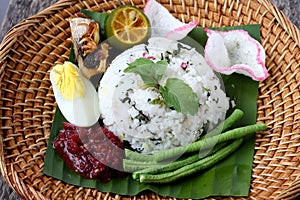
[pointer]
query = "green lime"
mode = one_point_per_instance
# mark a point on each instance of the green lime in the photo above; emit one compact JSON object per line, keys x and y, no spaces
{"x":127,"y":26}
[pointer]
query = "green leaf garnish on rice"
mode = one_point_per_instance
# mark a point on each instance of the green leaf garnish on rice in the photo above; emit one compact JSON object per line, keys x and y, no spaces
{"x":150,"y":72}
{"x":176,"y":93}
{"x":180,"y":96}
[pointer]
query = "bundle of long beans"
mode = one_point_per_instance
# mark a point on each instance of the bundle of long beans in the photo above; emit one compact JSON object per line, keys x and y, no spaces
{"x":204,"y":153}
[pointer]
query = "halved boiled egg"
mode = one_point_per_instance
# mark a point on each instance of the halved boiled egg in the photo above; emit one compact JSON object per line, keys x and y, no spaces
{"x":75,"y":95}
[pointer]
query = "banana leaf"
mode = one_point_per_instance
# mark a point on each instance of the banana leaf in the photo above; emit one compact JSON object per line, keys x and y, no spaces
{"x":230,"y":177}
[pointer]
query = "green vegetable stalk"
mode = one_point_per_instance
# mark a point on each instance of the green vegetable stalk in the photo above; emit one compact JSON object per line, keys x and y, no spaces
{"x":191,"y":168}
{"x":161,"y":167}
{"x":202,"y":144}
{"x":226,"y":124}
{"x":209,"y":142}
{"x":155,"y":169}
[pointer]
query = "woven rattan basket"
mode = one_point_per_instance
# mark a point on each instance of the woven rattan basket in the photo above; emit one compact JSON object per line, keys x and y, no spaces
{"x":27,"y":102}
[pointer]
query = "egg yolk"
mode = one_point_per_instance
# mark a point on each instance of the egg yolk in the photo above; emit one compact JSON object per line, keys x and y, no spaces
{"x":68,"y":81}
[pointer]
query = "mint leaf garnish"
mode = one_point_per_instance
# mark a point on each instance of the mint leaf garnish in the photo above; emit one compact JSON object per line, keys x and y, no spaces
{"x":176,"y":93}
{"x":150,"y":72}
{"x":180,"y":96}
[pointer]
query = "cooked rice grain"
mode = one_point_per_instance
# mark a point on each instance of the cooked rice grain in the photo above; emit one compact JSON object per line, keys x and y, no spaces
{"x":125,"y":102}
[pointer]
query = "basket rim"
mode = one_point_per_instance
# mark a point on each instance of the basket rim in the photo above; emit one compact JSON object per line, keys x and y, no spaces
{"x":10,"y":38}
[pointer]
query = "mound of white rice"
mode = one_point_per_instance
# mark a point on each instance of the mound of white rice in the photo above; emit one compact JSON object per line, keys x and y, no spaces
{"x":127,"y":107}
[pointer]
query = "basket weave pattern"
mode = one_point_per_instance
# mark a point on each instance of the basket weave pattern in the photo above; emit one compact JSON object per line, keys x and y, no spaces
{"x":27,"y":103}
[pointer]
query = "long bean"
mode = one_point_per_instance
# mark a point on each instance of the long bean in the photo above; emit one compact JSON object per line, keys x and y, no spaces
{"x":176,"y":164}
{"x":227,"y":123}
{"x":133,"y":165}
{"x":206,"y":152}
{"x":191,"y":168}
{"x":208,"y":142}
{"x":204,"y":143}
{"x":167,"y":167}
{"x":138,"y":156}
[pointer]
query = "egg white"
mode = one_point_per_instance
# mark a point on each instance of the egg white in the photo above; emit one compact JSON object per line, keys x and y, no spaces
{"x":82,"y":112}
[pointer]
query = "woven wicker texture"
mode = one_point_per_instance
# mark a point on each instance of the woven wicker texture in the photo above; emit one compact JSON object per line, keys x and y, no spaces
{"x":27,"y":103}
